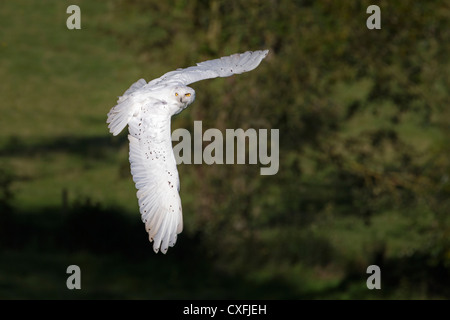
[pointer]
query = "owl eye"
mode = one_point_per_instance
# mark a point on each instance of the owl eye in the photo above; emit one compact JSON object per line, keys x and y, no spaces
{"x":176,"y":94}
{"x":187,"y":94}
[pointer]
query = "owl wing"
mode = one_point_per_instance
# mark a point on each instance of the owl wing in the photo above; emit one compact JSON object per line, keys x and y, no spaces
{"x":222,"y":67}
{"x":127,"y":106}
{"x":154,"y":171}
{"x":122,"y":112}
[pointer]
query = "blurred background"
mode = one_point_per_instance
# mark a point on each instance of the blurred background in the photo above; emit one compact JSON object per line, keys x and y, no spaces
{"x":364,"y":124}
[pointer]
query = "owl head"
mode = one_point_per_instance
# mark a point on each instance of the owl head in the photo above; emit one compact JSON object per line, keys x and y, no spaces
{"x":183,"y":96}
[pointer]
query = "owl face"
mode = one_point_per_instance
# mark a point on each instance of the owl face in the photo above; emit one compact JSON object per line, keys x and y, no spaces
{"x":183,"y":97}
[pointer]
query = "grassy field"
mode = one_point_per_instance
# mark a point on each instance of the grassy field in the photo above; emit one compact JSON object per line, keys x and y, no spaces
{"x":55,"y":100}
{"x":363,"y":173}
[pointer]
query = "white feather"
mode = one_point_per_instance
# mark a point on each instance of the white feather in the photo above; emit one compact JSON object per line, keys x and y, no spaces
{"x":120,"y":115}
{"x":222,"y":67}
{"x":153,"y":166}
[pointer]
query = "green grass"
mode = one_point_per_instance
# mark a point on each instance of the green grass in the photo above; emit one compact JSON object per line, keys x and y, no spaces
{"x":60,"y":85}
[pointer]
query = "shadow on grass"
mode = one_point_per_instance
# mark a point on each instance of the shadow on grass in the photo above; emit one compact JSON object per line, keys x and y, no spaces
{"x":116,"y":260}
{"x":418,"y":276}
{"x":96,"y":147}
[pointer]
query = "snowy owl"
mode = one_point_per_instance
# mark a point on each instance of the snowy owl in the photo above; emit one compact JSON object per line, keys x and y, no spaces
{"x":147,"y":108}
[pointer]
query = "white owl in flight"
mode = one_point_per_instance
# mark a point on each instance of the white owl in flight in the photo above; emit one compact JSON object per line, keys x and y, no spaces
{"x":147,"y":109}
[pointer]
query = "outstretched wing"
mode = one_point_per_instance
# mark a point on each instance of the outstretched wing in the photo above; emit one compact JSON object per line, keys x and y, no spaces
{"x":121,"y":114}
{"x":127,"y":104}
{"x":222,"y":67}
{"x":154,"y":171}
